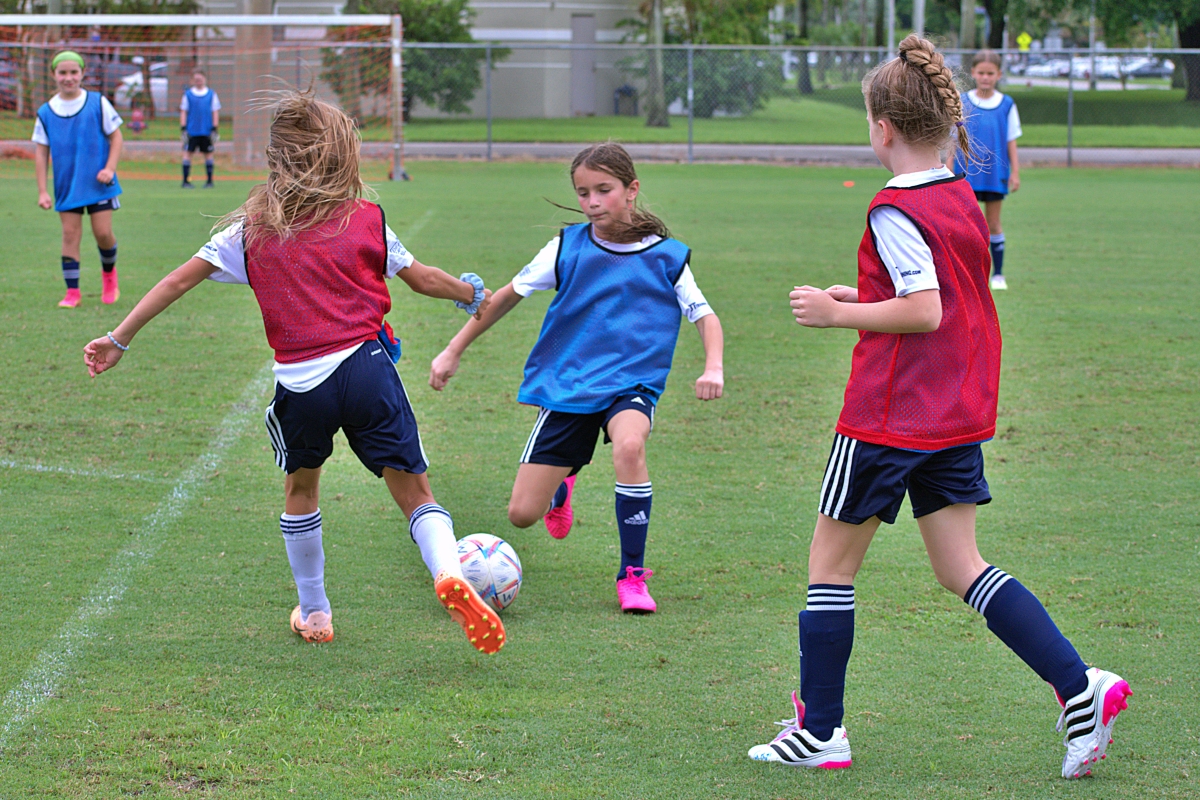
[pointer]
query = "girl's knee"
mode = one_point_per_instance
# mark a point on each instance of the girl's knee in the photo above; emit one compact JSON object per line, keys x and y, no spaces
{"x":522,"y":515}
{"x":629,"y":451}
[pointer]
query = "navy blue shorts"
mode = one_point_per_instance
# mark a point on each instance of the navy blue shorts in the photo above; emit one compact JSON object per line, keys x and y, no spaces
{"x":202,"y":143}
{"x":366,"y":400}
{"x":111,"y":204}
{"x":869,"y":480}
{"x":561,"y":439}
{"x":989,"y":197}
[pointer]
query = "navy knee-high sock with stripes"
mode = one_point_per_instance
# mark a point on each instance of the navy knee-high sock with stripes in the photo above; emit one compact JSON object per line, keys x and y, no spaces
{"x":633,"y":502}
{"x":826,"y":639}
{"x":1021,"y":622}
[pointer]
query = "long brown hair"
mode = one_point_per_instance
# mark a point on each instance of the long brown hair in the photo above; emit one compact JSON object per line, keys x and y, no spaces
{"x":313,"y":163}
{"x":614,"y":159}
{"x":917,"y":94}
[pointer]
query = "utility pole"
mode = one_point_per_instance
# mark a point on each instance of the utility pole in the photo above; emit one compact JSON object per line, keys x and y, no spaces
{"x":919,"y":17}
{"x":1092,"y":48}
{"x":656,"y":107}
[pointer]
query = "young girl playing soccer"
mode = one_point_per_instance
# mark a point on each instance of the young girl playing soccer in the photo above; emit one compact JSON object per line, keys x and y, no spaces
{"x":920,"y":400}
{"x":993,"y":126}
{"x":602,"y":358}
{"x":316,"y":256}
{"x":80,"y":132}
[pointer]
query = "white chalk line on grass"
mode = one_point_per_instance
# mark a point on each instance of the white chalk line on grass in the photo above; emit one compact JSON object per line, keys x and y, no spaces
{"x":416,"y":227}
{"x":54,"y":662}
{"x":81,"y":473}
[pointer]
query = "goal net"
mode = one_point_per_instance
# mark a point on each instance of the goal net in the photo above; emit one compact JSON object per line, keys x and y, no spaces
{"x":143,"y":63}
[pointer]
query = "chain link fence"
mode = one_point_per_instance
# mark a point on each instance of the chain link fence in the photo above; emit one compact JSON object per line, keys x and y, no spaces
{"x":570,"y":93}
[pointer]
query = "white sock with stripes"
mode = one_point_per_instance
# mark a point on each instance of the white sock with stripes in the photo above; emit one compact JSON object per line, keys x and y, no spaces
{"x":302,"y":537}
{"x":432,"y":529}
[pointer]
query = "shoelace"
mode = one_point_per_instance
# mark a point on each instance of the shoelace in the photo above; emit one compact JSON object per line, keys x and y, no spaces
{"x":640,"y":577}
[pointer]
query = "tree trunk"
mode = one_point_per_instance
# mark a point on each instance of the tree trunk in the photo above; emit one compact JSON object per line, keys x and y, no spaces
{"x":804,"y":76}
{"x":1189,"y":37}
{"x":879,"y":23}
{"x":966,"y":26}
{"x":997,"y":9}
{"x":656,"y":102}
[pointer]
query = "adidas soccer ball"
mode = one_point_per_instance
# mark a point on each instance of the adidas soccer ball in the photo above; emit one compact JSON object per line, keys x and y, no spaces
{"x":491,"y":566}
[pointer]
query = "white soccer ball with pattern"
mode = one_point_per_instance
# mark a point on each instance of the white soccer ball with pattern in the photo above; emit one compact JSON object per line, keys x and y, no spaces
{"x":491,"y":566}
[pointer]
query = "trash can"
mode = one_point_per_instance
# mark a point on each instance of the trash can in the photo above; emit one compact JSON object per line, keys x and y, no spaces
{"x":625,"y":101}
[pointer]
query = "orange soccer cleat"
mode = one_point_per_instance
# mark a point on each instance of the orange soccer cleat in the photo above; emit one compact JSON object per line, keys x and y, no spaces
{"x":316,"y":629}
{"x":479,"y":622}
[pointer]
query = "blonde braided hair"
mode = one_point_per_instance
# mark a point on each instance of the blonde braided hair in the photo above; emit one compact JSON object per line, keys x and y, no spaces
{"x":918,"y":95}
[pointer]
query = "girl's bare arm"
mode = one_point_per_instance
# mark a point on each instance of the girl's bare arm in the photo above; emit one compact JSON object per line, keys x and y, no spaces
{"x":103,"y":354}
{"x":446,"y":364}
{"x":41,"y":167}
{"x":919,"y":312}
{"x":711,"y":384}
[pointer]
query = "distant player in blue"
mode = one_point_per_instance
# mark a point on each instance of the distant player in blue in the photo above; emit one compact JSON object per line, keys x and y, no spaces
{"x":994,"y":127}
{"x":199,"y":121}
{"x":602,"y":358}
{"x":80,"y":133}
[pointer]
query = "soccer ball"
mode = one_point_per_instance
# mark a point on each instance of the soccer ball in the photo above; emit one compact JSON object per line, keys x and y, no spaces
{"x":491,"y":566}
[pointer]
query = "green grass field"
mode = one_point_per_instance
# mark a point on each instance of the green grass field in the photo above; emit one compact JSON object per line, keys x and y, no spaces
{"x":146,"y":590}
{"x":1146,"y":118}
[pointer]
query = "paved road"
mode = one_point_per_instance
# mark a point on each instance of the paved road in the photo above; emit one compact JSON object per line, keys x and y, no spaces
{"x":831,"y":155}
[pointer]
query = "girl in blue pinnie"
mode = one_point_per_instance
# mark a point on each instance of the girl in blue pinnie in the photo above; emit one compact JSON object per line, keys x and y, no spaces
{"x":602,"y":358}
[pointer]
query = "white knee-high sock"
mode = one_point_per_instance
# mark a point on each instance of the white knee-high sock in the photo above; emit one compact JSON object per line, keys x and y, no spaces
{"x":302,"y":537}
{"x":432,"y":529}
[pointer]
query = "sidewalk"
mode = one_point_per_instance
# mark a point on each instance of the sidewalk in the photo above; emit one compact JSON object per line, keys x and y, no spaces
{"x":810,"y":154}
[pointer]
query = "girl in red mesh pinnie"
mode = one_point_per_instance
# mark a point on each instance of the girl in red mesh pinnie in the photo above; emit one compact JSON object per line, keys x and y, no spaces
{"x":317,"y":255}
{"x":920,"y":401}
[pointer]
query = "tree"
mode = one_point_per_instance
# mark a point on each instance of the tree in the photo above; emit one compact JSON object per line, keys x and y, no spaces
{"x":1120,"y":16}
{"x":444,"y":79}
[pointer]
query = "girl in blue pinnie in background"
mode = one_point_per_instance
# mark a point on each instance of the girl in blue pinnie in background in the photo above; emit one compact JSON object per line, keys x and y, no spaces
{"x":80,"y":133}
{"x":994,"y":127}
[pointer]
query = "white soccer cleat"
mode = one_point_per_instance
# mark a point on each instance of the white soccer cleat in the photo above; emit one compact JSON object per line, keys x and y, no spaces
{"x":1087,"y":720}
{"x":999,"y":283}
{"x":796,"y":747}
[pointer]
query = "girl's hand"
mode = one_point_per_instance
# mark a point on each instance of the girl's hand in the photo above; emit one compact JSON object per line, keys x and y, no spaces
{"x":843,"y":294}
{"x":44,"y":201}
{"x":105,"y":176}
{"x":710,"y":385}
{"x":100,"y":355}
{"x":1014,"y":182}
{"x":812,"y":307}
{"x":483,"y":304}
{"x":443,"y":368}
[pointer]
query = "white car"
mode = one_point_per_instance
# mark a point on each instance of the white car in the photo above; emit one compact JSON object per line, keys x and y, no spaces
{"x":131,"y":85}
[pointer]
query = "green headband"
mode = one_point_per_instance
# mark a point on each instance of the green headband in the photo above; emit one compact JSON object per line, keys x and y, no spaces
{"x":67,"y":55}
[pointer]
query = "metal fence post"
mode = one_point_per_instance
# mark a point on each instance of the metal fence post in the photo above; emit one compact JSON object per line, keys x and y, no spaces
{"x":398,"y":173}
{"x":691,"y":97}
{"x":1070,"y":104}
{"x":488,"y":91}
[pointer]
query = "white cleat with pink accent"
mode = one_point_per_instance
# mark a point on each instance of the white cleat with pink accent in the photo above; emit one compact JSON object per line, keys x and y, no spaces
{"x":1087,"y":720}
{"x":796,"y":747}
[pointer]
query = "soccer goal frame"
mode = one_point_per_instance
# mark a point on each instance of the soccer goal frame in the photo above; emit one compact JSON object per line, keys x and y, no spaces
{"x":253,"y":46}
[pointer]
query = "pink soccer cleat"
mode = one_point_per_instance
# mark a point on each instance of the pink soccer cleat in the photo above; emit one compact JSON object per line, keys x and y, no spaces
{"x":71,"y":300}
{"x":796,"y":747}
{"x":558,"y":520}
{"x":632,"y":593}
{"x":1087,"y":720}
{"x":110,"y":292}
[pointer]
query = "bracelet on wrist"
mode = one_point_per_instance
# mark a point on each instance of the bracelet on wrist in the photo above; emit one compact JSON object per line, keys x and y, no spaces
{"x":113,"y":339}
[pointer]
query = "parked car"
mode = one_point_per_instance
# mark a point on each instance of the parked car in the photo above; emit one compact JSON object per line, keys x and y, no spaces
{"x":131,"y":85}
{"x":1052,"y":68}
{"x":1153,"y":68}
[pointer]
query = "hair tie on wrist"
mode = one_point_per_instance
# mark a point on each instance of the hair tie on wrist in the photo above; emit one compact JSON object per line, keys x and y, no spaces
{"x":113,"y":339}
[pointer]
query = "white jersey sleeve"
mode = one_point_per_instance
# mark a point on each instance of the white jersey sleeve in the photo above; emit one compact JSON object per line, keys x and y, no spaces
{"x":398,"y":257}
{"x":39,"y":133}
{"x":904,"y":252}
{"x":1014,"y":123}
{"x":183,"y":104}
{"x":538,"y":275}
{"x":225,"y":251}
{"x":691,"y":300}
{"x":111,"y":119}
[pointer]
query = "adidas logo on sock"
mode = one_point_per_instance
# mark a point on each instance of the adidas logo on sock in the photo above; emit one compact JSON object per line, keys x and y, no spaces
{"x":639,"y":518}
